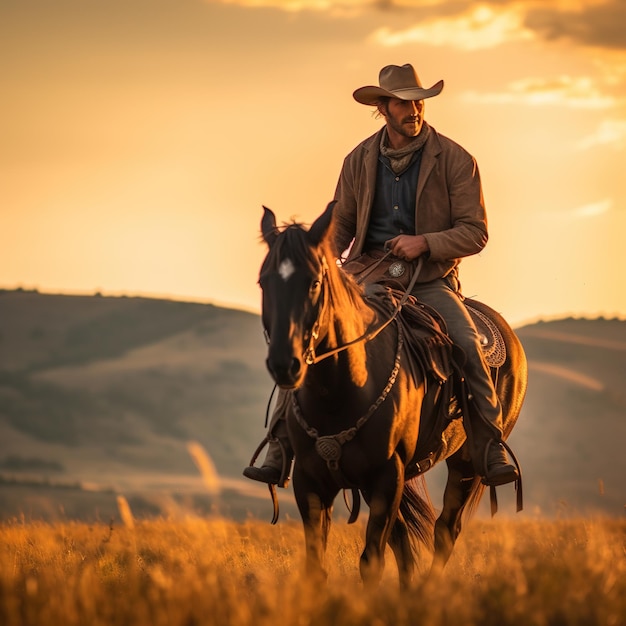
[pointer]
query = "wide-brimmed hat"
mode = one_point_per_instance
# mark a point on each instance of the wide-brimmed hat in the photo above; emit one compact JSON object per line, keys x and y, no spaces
{"x":397,"y":82}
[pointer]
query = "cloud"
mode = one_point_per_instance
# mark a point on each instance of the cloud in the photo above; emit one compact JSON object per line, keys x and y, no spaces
{"x":466,"y":24}
{"x":579,"y":92}
{"x":592,"y":210}
{"x":598,"y":23}
{"x":336,"y":7}
{"x":610,"y":132}
{"x":586,"y":211}
{"x":481,"y":27}
{"x":583,"y":212}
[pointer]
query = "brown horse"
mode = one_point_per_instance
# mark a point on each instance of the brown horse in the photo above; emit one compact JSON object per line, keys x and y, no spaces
{"x":372,"y":405}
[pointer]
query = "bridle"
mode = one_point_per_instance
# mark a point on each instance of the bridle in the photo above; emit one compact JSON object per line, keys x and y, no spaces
{"x":309,"y":354}
{"x":310,"y":358}
{"x":329,"y":447}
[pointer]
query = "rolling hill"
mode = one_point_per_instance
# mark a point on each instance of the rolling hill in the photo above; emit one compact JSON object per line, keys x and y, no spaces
{"x":101,"y":396}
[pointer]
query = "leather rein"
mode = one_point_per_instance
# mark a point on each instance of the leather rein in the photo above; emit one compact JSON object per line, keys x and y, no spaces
{"x":329,"y":447}
{"x":311,"y":358}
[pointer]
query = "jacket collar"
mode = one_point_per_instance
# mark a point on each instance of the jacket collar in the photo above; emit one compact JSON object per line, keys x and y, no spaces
{"x":432,"y":148}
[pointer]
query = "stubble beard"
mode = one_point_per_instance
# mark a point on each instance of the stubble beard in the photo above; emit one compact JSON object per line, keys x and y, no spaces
{"x":407,"y":127}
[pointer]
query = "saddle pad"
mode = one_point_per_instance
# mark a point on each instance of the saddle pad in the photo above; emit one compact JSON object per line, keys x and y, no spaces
{"x":491,"y":339}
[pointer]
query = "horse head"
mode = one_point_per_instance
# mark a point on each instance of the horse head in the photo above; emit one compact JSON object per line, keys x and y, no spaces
{"x":292,"y":281}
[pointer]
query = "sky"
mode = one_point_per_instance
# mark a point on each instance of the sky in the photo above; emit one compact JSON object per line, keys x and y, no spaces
{"x":139,"y":139}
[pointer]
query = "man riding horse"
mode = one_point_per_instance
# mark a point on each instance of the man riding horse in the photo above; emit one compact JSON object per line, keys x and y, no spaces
{"x":409,"y":190}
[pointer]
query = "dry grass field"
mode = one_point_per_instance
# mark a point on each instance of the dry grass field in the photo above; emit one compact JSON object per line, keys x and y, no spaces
{"x":219,"y":572}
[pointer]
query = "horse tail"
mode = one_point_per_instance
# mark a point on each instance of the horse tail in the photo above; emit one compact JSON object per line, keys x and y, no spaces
{"x":473,"y":499}
{"x":418,"y":513}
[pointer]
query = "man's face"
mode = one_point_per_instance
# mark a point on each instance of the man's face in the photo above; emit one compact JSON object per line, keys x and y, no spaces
{"x":405,"y":117}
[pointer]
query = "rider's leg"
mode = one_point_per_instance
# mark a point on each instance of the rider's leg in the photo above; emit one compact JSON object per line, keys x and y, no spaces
{"x":485,"y":432}
{"x":277,"y":463}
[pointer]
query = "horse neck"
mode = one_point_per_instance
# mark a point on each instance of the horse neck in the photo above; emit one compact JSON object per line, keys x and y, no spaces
{"x":348,"y":319}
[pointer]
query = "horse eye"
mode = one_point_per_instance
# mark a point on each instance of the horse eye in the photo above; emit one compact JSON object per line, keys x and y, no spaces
{"x":315,"y":285}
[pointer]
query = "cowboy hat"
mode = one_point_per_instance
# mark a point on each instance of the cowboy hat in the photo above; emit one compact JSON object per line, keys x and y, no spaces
{"x":397,"y":82}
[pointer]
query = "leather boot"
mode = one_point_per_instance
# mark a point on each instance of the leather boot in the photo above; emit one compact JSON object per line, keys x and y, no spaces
{"x":276,"y":466}
{"x":482,"y":414}
{"x":272,"y":470}
{"x":488,"y":454}
{"x":498,"y":469}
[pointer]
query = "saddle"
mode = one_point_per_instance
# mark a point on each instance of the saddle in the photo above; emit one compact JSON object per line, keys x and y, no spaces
{"x":379,"y":271}
{"x":434,"y":357}
{"x":491,"y":339}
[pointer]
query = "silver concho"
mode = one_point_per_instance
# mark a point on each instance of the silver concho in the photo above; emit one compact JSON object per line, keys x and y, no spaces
{"x":396,"y":269}
{"x":328,"y":448}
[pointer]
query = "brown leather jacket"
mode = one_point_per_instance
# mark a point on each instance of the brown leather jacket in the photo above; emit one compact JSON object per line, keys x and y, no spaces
{"x":450,"y":210}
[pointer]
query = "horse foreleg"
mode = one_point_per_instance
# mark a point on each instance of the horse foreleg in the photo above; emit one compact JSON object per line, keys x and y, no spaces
{"x":460,"y":486}
{"x":384,"y":500}
{"x":315,"y":511}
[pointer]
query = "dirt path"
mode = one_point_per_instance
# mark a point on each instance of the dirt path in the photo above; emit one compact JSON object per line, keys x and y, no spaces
{"x":567,"y":374}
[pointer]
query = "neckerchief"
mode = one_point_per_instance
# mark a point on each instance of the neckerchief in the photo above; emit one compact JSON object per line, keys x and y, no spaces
{"x":401,"y":157}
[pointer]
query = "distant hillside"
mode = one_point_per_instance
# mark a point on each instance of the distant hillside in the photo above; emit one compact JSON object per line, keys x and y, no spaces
{"x":572,"y":434}
{"x":101,"y":395}
{"x":109,"y":391}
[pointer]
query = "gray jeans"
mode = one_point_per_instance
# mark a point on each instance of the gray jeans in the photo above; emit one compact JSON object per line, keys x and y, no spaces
{"x":463,"y":333}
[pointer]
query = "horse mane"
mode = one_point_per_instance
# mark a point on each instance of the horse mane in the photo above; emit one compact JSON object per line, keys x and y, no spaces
{"x":345,"y":297}
{"x":348,"y":307}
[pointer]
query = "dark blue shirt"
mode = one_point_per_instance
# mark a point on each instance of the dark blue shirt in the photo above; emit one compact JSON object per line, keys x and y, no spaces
{"x":393,"y":210}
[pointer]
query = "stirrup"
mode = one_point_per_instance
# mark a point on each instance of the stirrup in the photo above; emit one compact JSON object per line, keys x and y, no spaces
{"x":283,"y":481}
{"x":517,"y":482}
{"x":284,"y":475}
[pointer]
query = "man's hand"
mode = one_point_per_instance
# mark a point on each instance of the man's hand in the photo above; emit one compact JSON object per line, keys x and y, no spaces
{"x":408,"y":247}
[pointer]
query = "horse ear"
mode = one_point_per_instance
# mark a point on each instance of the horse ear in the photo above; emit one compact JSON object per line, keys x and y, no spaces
{"x":319,"y":228}
{"x":268,"y":226}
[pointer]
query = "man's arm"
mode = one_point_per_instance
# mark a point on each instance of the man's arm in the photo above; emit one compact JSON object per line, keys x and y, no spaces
{"x":468,"y":234}
{"x":345,"y":211}
{"x":408,"y":247}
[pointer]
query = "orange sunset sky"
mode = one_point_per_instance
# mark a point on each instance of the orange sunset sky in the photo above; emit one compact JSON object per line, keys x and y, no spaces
{"x":139,"y":138}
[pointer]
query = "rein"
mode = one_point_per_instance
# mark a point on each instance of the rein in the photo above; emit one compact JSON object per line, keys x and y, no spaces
{"x":311,"y":358}
{"x":329,"y":446}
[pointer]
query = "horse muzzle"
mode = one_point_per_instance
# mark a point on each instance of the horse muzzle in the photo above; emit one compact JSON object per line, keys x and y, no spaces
{"x":287,"y":373}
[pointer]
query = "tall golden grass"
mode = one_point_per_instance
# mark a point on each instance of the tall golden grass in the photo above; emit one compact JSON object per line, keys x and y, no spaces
{"x":219,"y":572}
